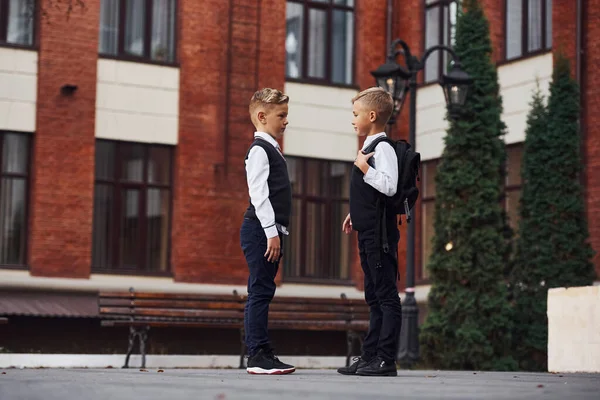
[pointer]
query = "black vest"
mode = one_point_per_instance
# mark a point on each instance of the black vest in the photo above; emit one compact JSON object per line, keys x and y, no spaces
{"x":280,"y":189}
{"x":363,"y":202}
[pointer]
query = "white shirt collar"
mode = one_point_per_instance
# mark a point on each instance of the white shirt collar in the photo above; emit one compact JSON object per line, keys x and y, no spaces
{"x":370,"y":139}
{"x":267,"y":137}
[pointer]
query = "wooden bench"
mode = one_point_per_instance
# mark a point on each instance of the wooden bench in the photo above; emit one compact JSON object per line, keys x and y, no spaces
{"x":140,"y":310}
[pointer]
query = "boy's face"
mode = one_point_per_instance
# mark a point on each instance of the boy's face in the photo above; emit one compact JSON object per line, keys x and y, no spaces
{"x":273,"y":120}
{"x":363,"y":118}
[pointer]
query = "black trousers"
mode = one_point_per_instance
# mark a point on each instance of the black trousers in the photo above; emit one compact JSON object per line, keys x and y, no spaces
{"x":381,"y":293}
{"x":261,"y":285}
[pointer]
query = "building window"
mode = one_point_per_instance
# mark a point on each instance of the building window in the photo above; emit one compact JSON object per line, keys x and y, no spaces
{"x":316,"y":248}
{"x":528,"y":27}
{"x":428,"y":173}
{"x":14,"y":152}
{"x":440,"y":29}
{"x":138,"y":29}
{"x":16,"y":22}
{"x":319,"y":41}
{"x":132,"y":207}
{"x":511,"y":201}
{"x":513,"y":185}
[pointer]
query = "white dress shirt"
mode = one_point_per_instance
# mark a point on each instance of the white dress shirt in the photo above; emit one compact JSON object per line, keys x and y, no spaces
{"x":257,"y":173}
{"x":384,"y":175}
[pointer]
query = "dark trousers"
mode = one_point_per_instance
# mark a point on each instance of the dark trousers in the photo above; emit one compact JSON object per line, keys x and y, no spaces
{"x":381,"y":293}
{"x":261,"y":285}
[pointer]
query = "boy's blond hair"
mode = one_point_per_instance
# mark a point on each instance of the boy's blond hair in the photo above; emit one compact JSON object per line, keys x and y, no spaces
{"x":378,"y":100}
{"x":266,"y":98}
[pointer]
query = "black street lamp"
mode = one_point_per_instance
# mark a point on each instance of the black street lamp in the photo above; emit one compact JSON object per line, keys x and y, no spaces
{"x":396,"y":80}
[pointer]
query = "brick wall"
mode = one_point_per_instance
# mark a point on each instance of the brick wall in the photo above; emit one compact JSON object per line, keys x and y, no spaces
{"x":211,"y":193}
{"x":62,"y":190}
{"x":591,"y":122}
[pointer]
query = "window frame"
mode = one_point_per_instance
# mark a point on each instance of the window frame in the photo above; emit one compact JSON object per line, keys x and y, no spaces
{"x":525,"y":53}
{"x":119,"y":187}
{"x":425,"y":199}
{"x":328,"y":200}
{"x":446,"y":27}
{"x":28,"y":181}
{"x":146,"y":58}
{"x":4,"y":28}
{"x":328,"y":6}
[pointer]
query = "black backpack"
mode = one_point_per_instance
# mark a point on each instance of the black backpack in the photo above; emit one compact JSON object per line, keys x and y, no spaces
{"x":409,"y":162}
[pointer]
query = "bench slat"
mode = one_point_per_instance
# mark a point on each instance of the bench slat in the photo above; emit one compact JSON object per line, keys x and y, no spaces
{"x":158,"y":312}
{"x":179,"y":304}
{"x":167,"y":296}
{"x":311,"y":316}
{"x":168,"y":324}
{"x":308,"y":307}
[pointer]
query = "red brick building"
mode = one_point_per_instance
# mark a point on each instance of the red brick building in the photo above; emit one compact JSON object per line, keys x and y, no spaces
{"x":124,"y":127}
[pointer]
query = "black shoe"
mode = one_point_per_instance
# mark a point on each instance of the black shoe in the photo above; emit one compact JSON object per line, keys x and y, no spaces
{"x":351,"y":369}
{"x":265,"y":363}
{"x":378,"y":367}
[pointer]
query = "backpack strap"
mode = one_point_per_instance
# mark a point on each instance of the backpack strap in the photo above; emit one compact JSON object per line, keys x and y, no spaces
{"x":371,"y":148}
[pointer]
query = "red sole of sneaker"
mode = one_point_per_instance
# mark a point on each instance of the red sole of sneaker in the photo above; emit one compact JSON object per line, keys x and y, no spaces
{"x":278,"y":372}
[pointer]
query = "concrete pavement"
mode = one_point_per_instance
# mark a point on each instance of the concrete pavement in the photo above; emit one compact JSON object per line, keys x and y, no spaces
{"x":174,"y":384}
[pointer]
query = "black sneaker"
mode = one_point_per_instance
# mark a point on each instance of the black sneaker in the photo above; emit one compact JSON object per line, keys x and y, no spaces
{"x":265,"y":363}
{"x":378,"y":367}
{"x":351,"y":369}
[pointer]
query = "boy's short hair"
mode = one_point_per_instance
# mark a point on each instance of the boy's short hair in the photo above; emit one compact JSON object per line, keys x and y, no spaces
{"x":378,"y":100}
{"x":266,"y":97}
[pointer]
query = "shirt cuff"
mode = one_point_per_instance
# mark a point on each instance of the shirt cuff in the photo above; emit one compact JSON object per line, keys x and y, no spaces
{"x":370,"y":175}
{"x":271,"y":232}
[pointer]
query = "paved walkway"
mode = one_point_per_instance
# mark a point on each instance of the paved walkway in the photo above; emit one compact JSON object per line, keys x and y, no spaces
{"x":174,"y":384}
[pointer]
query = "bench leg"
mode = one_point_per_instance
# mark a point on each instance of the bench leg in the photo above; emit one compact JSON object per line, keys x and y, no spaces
{"x":349,"y":341}
{"x":132,"y":336}
{"x":142,"y":335}
{"x":351,"y":336}
{"x":243,"y":348}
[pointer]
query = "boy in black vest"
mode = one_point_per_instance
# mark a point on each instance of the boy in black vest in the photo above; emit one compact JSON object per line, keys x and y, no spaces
{"x":374,"y":179}
{"x":265,"y":221}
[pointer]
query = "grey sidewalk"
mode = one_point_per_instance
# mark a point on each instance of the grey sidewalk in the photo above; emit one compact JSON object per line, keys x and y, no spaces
{"x":174,"y":384}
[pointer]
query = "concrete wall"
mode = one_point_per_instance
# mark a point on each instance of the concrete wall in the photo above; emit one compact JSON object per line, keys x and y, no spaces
{"x":18,"y":89}
{"x":574,"y":329}
{"x":137,"y":102}
{"x":320,"y":115}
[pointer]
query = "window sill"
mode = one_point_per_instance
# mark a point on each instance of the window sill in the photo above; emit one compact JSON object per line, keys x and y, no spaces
{"x":131,"y":272}
{"x":320,"y":82}
{"x":524,"y":57}
{"x":139,"y":60}
{"x":14,"y":266}
{"x":18,"y":46}
{"x":319,"y":281}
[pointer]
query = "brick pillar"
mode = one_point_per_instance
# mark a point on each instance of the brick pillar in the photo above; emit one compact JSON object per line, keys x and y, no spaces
{"x":62,"y":192}
{"x":495,"y":12}
{"x":591,"y":121}
{"x":228,"y":49}
{"x":564,"y":25}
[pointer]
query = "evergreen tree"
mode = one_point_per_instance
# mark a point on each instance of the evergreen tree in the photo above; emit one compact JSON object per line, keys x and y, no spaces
{"x":552,"y":249}
{"x":469,"y":321}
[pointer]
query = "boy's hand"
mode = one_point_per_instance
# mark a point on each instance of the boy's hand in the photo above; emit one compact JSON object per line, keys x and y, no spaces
{"x":273,"y":249}
{"x":361,"y":161}
{"x":347,"y":225}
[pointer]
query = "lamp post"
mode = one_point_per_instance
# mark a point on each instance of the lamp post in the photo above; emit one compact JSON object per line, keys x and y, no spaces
{"x":398,"y":80}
